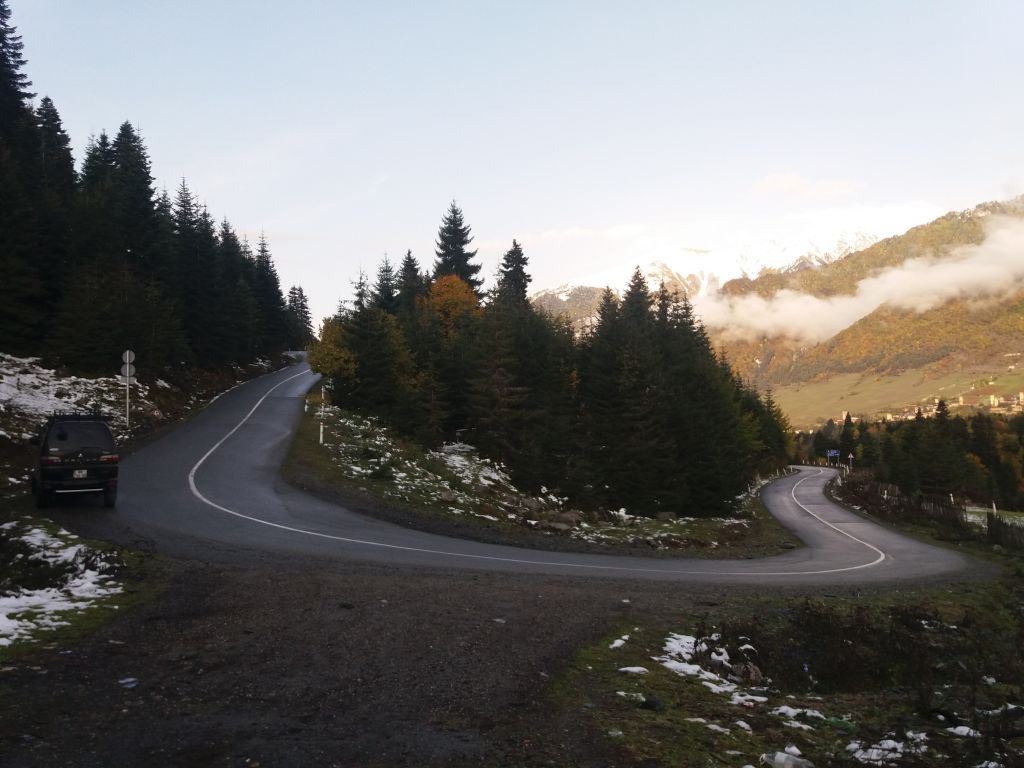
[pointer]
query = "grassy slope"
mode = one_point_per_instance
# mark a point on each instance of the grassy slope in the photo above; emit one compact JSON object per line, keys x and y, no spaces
{"x":362,"y":466}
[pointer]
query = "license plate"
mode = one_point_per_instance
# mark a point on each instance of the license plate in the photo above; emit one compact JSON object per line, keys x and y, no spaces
{"x":80,"y":473}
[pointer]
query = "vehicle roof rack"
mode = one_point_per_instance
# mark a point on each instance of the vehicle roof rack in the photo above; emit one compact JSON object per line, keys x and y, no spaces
{"x":81,"y":415}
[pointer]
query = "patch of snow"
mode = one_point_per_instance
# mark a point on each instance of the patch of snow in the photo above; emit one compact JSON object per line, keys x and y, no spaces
{"x":791,"y":712}
{"x":27,"y":611}
{"x":747,"y":700}
{"x":618,"y":643}
{"x":634,"y":670}
{"x":798,"y":724}
{"x":963,"y":730}
{"x":888,"y":750}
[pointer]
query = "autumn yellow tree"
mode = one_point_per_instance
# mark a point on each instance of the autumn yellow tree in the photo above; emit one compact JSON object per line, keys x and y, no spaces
{"x":330,"y":354}
{"x":451,"y":299}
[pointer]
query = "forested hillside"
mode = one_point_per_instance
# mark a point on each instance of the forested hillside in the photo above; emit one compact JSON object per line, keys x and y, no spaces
{"x":637,"y":413}
{"x":958,"y":332}
{"x":95,"y":260}
{"x":979,"y":458}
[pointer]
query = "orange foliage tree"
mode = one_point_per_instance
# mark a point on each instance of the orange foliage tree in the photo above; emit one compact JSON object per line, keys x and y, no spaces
{"x":451,"y":299}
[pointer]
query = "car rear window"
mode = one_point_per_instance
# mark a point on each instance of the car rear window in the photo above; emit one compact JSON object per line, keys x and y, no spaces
{"x":75,"y":435}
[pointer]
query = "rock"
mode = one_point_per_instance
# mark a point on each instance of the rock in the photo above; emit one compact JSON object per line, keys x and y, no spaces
{"x":665,"y":516}
{"x":533,"y":505}
{"x":748,"y":673}
{"x":446,"y":496}
{"x":553,"y":525}
{"x":652,"y":703}
{"x":570,"y":516}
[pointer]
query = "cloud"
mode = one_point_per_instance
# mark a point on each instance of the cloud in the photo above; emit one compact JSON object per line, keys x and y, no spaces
{"x":794,"y":185}
{"x":569,"y":234}
{"x":990,"y":270}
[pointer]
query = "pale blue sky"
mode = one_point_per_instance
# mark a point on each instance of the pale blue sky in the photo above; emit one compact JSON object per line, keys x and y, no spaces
{"x":598,"y":134}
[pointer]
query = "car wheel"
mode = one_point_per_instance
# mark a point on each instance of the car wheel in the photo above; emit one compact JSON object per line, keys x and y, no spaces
{"x":109,"y":498}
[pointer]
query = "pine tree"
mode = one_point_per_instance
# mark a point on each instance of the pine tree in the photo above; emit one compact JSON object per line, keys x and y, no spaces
{"x":300,"y":322}
{"x":14,"y":84}
{"x":385,"y":290}
{"x":26,"y":295}
{"x":513,"y":280}
{"x":58,"y":166}
{"x":55,"y":194}
{"x":412,"y":284}
{"x":23,"y":311}
{"x":269,"y":301}
{"x":453,"y":258}
{"x":133,"y":206}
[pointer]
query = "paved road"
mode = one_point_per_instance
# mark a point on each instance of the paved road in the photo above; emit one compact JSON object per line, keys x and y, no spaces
{"x":211,"y":488}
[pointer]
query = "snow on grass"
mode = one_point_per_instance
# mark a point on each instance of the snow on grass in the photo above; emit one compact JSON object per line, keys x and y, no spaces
{"x":793,"y":713}
{"x":82,"y":577}
{"x":888,"y":750}
{"x":680,"y":651}
{"x":30,"y":392}
{"x":456,"y":480}
{"x":964,"y":731}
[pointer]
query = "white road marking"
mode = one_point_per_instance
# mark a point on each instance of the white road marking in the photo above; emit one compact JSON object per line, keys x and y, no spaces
{"x":792,"y":492}
{"x":494,"y":558}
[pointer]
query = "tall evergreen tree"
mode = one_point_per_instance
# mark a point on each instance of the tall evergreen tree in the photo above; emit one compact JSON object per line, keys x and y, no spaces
{"x":513,"y":280}
{"x":412,"y":284}
{"x":385,"y":290}
{"x":14,"y":84}
{"x":58,"y":166}
{"x":453,"y":256}
{"x":133,"y":204}
{"x":269,"y":300}
{"x":300,"y":321}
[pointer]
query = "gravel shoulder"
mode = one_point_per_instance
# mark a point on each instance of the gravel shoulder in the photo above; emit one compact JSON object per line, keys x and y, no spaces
{"x":301,"y":663}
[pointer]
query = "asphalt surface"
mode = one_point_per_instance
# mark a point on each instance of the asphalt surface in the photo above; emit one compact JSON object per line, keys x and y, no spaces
{"x":210,"y":490}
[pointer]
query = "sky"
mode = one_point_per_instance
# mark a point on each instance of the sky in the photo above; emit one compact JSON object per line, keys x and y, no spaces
{"x":712,"y":136}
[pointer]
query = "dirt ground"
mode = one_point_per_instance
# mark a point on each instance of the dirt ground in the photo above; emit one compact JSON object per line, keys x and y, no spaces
{"x":311,"y":663}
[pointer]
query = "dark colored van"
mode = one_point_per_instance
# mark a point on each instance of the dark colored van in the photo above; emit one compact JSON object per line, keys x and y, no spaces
{"x":77,"y":454}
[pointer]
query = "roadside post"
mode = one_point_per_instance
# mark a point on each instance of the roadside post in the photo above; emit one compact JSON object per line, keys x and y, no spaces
{"x":321,"y":415}
{"x":128,"y":372}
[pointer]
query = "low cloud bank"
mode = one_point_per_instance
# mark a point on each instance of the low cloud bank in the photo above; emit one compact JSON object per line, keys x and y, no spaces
{"x":992,"y":269}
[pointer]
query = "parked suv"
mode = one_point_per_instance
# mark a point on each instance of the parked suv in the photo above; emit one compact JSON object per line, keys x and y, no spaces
{"x":77,"y":454}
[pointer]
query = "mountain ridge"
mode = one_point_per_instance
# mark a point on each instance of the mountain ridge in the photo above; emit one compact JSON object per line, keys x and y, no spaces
{"x":962,"y":334}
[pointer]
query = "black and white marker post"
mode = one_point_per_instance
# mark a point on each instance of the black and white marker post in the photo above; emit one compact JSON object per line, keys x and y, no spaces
{"x":128,"y":372}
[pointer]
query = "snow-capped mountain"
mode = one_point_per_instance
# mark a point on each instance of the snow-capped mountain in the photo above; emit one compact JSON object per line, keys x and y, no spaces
{"x":696,"y":272}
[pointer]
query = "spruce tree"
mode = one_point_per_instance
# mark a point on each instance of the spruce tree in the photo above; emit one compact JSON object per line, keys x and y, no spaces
{"x":133,"y":206}
{"x":300,"y":322}
{"x":513,"y":280}
{"x":14,"y":84}
{"x":412,"y":284}
{"x":385,"y":290}
{"x":269,"y":301}
{"x":58,"y":166}
{"x":453,"y":256}
{"x":55,"y":196}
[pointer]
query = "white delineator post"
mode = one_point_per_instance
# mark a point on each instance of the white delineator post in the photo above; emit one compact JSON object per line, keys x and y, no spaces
{"x":128,"y":371}
{"x":321,"y":415}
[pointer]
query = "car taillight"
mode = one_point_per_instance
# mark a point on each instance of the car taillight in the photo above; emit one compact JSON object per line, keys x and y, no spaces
{"x":50,"y":460}
{"x":109,"y":458}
